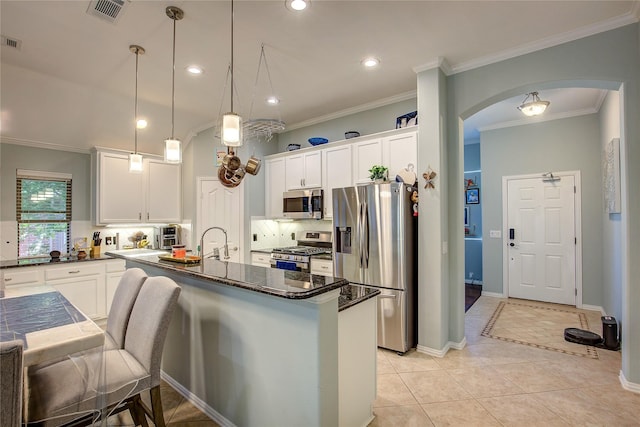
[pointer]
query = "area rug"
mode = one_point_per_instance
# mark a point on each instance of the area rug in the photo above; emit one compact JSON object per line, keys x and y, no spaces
{"x":538,"y":326}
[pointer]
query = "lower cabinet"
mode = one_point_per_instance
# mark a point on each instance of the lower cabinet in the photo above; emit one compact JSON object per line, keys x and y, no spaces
{"x":261,"y":259}
{"x":87,"y":285}
{"x":322,"y":267}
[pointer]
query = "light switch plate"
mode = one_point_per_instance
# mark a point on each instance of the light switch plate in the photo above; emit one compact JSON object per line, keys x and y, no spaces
{"x":495,"y":234}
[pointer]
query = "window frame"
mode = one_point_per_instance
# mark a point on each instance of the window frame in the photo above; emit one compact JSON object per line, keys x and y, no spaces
{"x":23,"y":174}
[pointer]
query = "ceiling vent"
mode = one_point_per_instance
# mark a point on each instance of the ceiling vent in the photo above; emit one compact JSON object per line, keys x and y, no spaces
{"x":107,"y":10}
{"x":11,"y":42}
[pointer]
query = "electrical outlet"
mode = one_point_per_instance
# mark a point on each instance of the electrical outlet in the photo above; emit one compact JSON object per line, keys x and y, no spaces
{"x":293,"y":236}
{"x":255,"y":237}
{"x":107,"y":240}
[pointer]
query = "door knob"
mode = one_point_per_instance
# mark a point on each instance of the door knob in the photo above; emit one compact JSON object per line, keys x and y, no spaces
{"x":512,"y":244}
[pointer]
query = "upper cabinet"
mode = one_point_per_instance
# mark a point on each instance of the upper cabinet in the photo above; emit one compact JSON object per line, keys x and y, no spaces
{"x":335,"y":165}
{"x":275,"y":185}
{"x":304,"y":170}
{"x":121,"y":197}
{"x":366,"y":153}
{"x":335,"y":174}
{"x":398,"y":151}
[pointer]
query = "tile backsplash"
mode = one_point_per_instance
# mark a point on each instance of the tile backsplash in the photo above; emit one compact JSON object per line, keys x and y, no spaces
{"x":268,"y":233}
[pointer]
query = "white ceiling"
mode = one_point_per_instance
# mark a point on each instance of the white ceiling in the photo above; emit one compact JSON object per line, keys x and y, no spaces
{"x":72,"y":82}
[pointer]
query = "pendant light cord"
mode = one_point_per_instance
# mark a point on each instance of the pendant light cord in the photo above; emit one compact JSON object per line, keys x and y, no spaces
{"x":173,"y":81}
{"x":135,"y":121}
{"x":232,"y":56}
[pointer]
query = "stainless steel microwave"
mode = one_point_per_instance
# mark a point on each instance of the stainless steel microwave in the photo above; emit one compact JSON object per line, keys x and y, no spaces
{"x":302,"y":204}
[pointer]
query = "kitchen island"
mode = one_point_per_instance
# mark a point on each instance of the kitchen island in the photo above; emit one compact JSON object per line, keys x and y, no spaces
{"x":255,"y":346}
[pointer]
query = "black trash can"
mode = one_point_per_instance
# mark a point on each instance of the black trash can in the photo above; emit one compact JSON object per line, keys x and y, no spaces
{"x":610,"y":332}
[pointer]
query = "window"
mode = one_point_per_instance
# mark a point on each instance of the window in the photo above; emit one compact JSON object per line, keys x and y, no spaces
{"x":43,"y":212}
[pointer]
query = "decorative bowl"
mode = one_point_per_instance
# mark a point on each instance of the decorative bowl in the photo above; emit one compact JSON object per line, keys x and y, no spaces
{"x":351,"y":134}
{"x":292,"y":147}
{"x":318,"y":141}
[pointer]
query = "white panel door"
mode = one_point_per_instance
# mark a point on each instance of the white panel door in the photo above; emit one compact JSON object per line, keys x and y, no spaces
{"x":313,"y":169}
{"x":294,"y":166}
{"x":275,"y":185}
{"x":164,"y":200}
{"x":337,"y":173}
{"x":542,"y":252}
{"x":221,"y":207}
{"x":121,"y":199}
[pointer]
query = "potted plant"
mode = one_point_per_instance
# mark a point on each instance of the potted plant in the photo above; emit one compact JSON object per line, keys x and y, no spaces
{"x":378,"y":173}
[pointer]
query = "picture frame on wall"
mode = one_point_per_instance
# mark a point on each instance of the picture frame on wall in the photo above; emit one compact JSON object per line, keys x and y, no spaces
{"x":472,"y":196}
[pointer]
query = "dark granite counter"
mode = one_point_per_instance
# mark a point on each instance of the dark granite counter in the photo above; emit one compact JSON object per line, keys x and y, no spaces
{"x":271,"y":281}
{"x":30,"y":262}
{"x":351,"y":295}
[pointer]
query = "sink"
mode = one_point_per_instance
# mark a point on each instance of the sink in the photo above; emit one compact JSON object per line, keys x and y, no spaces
{"x":137,"y":252}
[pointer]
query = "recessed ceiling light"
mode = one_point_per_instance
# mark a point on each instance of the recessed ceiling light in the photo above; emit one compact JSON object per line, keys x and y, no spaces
{"x":273,"y":100}
{"x":370,"y":62}
{"x":141,"y":124}
{"x":297,"y":5}
{"x":195,"y":70}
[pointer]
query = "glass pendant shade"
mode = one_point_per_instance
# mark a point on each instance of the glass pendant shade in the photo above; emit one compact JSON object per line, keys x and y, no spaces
{"x":533,"y":108}
{"x":232,"y":130}
{"x":135,"y":163}
{"x":172,"y":151}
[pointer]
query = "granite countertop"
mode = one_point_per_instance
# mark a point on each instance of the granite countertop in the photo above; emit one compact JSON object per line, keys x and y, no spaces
{"x":29,"y":262}
{"x":271,"y":281}
{"x":352,"y":294}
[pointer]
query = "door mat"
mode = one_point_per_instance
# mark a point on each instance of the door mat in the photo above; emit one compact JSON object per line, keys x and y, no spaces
{"x":538,"y":326}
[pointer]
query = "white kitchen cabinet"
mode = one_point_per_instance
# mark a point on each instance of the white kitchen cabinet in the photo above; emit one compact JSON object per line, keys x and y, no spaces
{"x":82,"y":285}
{"x":23,"y":276}
{"x":304,"y":170}
{"x":114,"y":271}
{"x":122,"y":197}
{"x":365,"y":154}
{"x":336,"y":173}
{"x":398,"y":151}
{"x":322,"y":267}
{"x":261,"y":259}
{"x":275,"y":185}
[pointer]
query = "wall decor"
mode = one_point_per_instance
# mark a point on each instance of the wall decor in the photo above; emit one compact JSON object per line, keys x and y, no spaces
{"x":472,"y":196}
{"x":611,"y":176}
{"x":429,"y":176}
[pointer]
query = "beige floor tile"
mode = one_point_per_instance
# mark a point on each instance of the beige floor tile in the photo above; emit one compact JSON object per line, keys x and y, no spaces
{"x":578,"y":407}
{"x":384,"y":366}
{"x":209,"y":423}
{"x":533,"y":376}
{"x":521,"y":410}
{"x":392,"y":391}
{"x":462,"y":413}
{"x":455,"y":359}
{"x":484,"y":382}
{"x":396,"y":416}
{"x":617,"y":399}
{"x":433,"y":386}
{"x":186,"y":412}
{"x":412,"y":361}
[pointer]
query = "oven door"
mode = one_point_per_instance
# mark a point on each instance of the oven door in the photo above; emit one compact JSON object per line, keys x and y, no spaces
{"x":302,"y":204}
{"x":290,"y":265}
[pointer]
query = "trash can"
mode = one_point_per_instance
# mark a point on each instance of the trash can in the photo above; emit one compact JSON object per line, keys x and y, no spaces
{"x":610,"y":332}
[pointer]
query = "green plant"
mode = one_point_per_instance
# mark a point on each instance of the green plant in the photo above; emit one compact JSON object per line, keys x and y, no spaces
{"x":378,"y":172}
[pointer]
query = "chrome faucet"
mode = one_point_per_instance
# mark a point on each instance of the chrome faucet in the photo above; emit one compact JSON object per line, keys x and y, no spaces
{"x":226,"y":243}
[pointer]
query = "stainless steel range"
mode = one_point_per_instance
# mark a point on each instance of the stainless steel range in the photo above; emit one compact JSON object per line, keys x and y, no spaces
{"x":297,"y":258}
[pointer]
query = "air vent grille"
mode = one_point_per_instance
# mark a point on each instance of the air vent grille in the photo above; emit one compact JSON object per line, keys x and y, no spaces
{"x":11,"y":42}
{"x":108,"y":10}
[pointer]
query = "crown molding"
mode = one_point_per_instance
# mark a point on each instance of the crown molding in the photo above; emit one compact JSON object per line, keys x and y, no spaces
{"x":540,"y":119}
{"x":358,"y":109}
{"x":439,"y":62}
{"x":42,"y":144}
{"x":629,"y":18}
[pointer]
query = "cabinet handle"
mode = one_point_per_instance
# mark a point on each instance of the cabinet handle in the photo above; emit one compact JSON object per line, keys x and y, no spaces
{"x":147,"y":216}
{"x":74,"y":272}
{"x":140,"y":215}
{"x":8,"y":279}
{"x":324,"y":267}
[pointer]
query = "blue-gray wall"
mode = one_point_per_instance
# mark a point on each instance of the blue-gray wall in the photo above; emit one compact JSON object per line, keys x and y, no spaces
{"x":571,"y":144}
{"x":473,"y":240}
{"x":367,"y":122}
{"x":13,"y":157}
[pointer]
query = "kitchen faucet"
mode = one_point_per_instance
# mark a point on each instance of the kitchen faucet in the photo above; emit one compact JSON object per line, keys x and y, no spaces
{"x":226,"y":244}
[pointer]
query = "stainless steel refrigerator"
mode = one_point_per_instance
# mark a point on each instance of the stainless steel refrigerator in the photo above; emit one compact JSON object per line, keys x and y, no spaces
{"x":375,"y":245}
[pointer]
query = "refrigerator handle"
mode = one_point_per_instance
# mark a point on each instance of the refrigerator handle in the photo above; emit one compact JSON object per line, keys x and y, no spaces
{"x":383,"y":296}
{"x":360,"y":238}
{"x":365,"y":234}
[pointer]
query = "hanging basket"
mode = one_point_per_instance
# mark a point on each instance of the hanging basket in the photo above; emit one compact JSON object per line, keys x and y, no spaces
{"x":262,"y":129}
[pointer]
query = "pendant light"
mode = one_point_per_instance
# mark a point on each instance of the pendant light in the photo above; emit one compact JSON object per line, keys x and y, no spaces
{"x":231,"y":122}
{"x":533,"y":107}
{"x":172,"y":146}
{"x":135,"y":159}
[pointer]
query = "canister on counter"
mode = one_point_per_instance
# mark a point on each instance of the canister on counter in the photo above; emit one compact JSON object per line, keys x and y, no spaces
{"x":178,"y":251}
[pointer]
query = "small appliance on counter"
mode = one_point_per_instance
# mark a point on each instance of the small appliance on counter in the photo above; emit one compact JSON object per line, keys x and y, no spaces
{"x":167,"y":236}
{"x":298,"y":258}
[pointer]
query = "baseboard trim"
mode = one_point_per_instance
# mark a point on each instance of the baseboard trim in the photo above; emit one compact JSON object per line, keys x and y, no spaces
{"x":627,"y":385}
{"x":492,"y":294}
{"x":196,"y":401}
{"x":594,"y":308}
{"x":442,"y":352}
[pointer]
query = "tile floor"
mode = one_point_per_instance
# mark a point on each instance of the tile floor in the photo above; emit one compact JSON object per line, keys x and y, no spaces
{"x":496,"y":383}
{"x":488,"y":383}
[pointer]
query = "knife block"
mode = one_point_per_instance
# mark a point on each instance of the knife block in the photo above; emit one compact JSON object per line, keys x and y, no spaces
{"x":95,"y":251}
